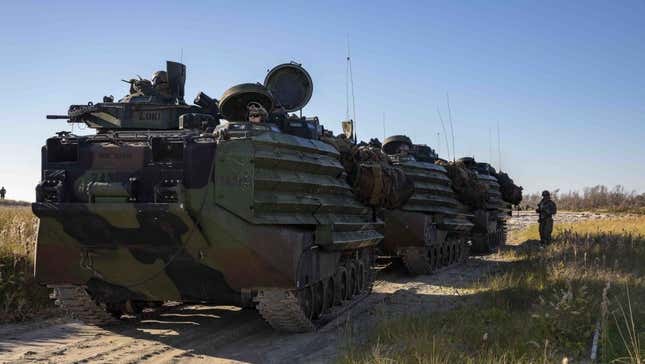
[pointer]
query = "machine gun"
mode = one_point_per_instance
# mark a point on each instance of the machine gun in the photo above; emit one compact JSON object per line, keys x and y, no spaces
{"x":76,"y":113}
{"x":66,"y":117}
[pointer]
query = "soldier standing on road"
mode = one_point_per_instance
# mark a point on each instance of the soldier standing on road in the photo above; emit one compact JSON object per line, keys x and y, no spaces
{"x":546,"y":209}
{"x":3,"y":192}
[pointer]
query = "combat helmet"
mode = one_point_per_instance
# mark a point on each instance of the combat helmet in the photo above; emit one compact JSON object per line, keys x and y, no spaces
{"x":391,"y":144}
{"x":256,"y":109}
{"x":160,"y":83}
{"x":467,"y":161}
{"x":235,"y":101}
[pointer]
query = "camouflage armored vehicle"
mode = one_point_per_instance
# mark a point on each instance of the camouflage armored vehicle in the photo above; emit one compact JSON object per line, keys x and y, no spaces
{"x":167,"y":201}
{"x":489,"y":231}
{"x":432,"y":229}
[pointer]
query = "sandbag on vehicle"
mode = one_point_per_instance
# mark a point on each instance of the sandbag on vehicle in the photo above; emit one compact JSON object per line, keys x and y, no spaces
{"x":374,"y":180}
{"x":469,"y":189}
{"x":511,"y":192}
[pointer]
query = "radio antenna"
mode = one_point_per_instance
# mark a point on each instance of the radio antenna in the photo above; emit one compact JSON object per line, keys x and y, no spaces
{"x":499,"y":147}
{"x":443,"y":126}
{"x":490,"y":144}
{"x":452,"y":130}
{"x":350,"y":85}
{"x":438,"y":143}
{"x":383,"y":125}
{"x":347,"y":116}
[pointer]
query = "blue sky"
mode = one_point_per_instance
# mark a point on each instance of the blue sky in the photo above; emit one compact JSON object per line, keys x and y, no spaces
{"x":565,"y":80}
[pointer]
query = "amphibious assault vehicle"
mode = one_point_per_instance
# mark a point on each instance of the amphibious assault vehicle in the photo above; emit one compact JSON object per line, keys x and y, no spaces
{"x":432,"y":229}
{"x":193,"y":203}
{"x":489,"y":231}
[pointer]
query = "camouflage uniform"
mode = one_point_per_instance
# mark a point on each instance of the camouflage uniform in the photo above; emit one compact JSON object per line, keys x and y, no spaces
{"x":546,"y":209}
{"x":3,"y":191}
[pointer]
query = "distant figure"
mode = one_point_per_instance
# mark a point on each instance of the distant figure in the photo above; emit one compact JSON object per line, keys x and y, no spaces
{"x":3,"y":192}
{"x":546,"y":209}
{"x":257,"y":113}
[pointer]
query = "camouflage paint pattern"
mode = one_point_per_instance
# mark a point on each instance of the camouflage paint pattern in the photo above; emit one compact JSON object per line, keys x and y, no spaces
{"x":179,"y":215}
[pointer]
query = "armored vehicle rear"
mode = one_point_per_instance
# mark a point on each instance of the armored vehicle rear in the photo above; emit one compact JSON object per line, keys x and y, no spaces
{"x":432,"y":229}
{"x":489,"y":231}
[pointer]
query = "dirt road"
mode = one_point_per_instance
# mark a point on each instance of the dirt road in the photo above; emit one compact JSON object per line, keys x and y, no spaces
{"x":229,"y":334}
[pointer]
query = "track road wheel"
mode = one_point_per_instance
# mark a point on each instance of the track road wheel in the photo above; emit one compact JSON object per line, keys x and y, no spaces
{"x":357,"y":278}
{"x":351,"y":281}
{"x":318,"y":290}
{"x":466,"y":252}
{"x":362,"y":276}
{"x":306,"y":298}
{"x":444,"y":254}
{"x":463,"y":252}
{"x":340,"y":283}
{"x":307,"y":308}
{"x":489,"y":243}
{"x":329,"y":295}
{"x":433,"y":256}
{"x":457,"y":251}
{"x":416,"y":260}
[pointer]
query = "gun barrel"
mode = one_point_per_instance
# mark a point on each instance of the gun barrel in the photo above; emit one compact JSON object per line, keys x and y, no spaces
{"x":57,"y":116}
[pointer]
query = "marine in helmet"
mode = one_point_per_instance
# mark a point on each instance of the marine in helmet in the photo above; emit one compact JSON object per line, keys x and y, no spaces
{"x":256,"y":112}
{"x":3,"y":191}
{"x":546,"y":209}
{"x":160,"y":84}
{"x":468,"y":162}
{"x":397,"y":145}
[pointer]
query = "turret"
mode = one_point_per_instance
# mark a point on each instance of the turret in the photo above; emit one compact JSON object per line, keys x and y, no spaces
{"x":149,"y":105}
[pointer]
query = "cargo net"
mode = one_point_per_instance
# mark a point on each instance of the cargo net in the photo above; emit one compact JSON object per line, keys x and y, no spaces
{"x":374,"y":180}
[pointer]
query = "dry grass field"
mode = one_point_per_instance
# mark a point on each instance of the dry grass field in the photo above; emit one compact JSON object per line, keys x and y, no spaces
{"x":20,"y":297}
{"x":626,"y":224}
{"x":544,"y":305}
